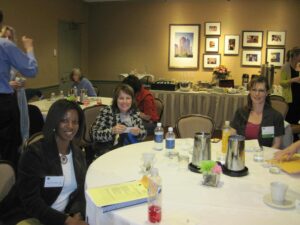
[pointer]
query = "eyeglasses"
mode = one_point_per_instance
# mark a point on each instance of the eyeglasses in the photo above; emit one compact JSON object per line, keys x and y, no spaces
{"x":260,"y":91}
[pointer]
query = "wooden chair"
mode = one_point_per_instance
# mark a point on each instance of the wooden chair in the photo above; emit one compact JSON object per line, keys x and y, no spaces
{"x":159,"y":107}
{"x":278,"y":103}
{"x":7,"y":178}
{"x":187,"y":126}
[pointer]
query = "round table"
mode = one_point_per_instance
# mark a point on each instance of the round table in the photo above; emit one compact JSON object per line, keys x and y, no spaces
{"x":237,"y":200}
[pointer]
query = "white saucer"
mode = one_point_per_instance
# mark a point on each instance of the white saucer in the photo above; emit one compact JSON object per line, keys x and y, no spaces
{"x":287,"y":204}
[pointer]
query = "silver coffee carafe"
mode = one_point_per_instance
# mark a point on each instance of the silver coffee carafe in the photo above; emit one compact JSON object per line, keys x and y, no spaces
{"x":202,"y":148}
{"x":235,"y":158}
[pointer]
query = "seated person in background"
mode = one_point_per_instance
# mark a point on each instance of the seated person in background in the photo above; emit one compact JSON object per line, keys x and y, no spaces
{"x":118,"y":123}
{"x":288,"y":152}
{"x":258,"y":120}
{"x":81,"y":82}
{"x":31,"y":93}
{"x":51,"y":174}
{"x":145,"y":103}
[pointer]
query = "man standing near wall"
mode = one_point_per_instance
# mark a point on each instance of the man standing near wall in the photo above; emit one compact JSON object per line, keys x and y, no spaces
{"x":26,"y":64}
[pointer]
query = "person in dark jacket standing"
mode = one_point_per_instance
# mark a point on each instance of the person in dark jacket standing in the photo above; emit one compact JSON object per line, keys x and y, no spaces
{"x":51,"y":174}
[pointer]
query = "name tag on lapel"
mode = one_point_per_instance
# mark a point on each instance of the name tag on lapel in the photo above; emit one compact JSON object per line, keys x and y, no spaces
{"x":54,"y":181}
{"x":267,"y":132}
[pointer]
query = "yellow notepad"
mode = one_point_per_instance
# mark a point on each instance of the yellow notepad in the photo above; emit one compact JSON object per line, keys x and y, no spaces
{"x":291,"y":166}
{"x":116,"y":196}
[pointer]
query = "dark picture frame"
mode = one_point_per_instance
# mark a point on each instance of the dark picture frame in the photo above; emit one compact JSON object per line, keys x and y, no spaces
{"x":276,"y":38}
{"x":213,"y":28}
{"x":253,"y":39}
{"x":275,"y":56}
{"x":251,"y":58}
{"x":231,"y":44}
{"x":211,"y":61}
{"x":212,"y":44}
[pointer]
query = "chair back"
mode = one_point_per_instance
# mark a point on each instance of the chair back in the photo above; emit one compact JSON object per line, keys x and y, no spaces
{"x":187,"y":126}
{"x":32,"y":139}
{"x":279,"y":104}
{"x":7,"y":178}
{"x":36,"y":119}
{"x":159,"y":107}
{"x":90,"y":114}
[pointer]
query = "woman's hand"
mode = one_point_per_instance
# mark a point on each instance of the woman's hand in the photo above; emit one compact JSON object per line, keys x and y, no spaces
{"x":118,"y":129}
{"x":135,"y":131}
{"x":15,"y":84}
{"x":74,"y":221}
{"x":295,"y":80}
{"x":286,"y":154}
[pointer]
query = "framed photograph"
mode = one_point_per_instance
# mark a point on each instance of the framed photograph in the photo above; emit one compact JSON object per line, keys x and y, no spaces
{"x":252,"y":39}
{"x":232,"y":44}
{"x":251,"y":58}
{"x":275,"y":56}
{"x":213,"y":28}
{"x":276,"y":38}
{"x":211,"y":60}
{"x":184,"y":46}
{"x":212,"y":44}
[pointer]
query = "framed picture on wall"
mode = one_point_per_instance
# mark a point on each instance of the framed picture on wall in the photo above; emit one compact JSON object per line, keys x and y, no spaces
{"x":232,"y":44}
{"x":276,"y":38}
{"x":251,"y":58}
{"x":211,"y":60}
{"x":212,"y":44}
{"x":275,"y":56}
{"x":184,"y":46}
{"x":213,"y":28}
{"x":252,"y":39}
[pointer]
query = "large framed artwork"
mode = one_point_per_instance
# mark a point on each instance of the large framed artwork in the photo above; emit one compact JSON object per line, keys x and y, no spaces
{"x":212,"y":44}
{"x":252,"y":39}
{"x":251,"y":58}
{"x":275,"y":56}
{"x":276,"y":38}
{"x":232,"y":44}
{"x":212,"y":28}
{"x":211,"y":60}
{"x":184,"y":46}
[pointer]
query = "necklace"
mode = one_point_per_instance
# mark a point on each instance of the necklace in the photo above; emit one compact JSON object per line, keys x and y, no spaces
{"x":63,"y":159}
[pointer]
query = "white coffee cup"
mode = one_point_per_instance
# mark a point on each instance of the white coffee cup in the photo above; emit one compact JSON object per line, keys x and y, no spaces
{"x":278,"y":191}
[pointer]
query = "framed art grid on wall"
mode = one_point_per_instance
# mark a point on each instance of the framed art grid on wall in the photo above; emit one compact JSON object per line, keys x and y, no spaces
{"x":231,"y":44}
{"x":251,"y":58}
{"x":275,"y":56}
{"x":252,"y":39}
{"x":213,"y":28}
{"x":184,"y":46}
{"x":211,"y":61}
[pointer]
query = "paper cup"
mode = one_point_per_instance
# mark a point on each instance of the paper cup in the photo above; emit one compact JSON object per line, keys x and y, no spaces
{"x":278,"y":192}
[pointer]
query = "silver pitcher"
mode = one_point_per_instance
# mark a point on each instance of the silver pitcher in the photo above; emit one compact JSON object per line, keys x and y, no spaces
{"x":201,"y":149}
{"x":235,"y":158}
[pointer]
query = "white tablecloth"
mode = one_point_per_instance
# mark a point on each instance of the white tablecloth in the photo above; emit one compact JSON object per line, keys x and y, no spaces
{"x":185,"y":200}
{"x":45,"y":104}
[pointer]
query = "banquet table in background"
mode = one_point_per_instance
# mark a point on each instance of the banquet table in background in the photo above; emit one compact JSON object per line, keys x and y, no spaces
{"x":219,"y":106}
{"x":185,"y":200}
{"x":45,"y":104}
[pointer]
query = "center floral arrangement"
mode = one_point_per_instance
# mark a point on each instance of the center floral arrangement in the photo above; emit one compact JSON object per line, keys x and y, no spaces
{"x":221,"y":72}
{"x":211,"y":171}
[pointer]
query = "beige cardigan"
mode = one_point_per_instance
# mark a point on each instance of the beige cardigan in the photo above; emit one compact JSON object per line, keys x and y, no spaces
{"x":285,"y":82}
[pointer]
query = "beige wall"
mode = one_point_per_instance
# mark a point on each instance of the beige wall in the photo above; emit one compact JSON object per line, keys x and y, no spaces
{"x":128,"y":35}
{"x":39,"y":19}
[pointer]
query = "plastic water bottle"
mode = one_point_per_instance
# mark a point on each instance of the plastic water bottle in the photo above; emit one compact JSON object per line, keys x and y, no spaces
{"x":155,"y":197}
{"x":158,"y":137}
{"x":170,"y":141}
{"x":225,"y":136}
{"x":75,"y":91}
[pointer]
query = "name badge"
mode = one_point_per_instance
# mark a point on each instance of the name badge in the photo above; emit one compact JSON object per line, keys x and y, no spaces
{"x":54,"y":181}
{"x":267,"y":132}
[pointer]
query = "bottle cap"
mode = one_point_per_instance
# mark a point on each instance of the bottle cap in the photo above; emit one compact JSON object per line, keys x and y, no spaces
{"x":227,"y":123}
{"x":159,"y":124}
{"x":170,"y":129}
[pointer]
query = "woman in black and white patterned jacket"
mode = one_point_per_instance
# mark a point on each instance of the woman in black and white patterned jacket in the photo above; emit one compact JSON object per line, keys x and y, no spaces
{"x":120,"y":123}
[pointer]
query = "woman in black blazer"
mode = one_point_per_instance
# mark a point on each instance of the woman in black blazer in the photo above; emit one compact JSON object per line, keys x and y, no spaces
{"x":51,"y":174}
